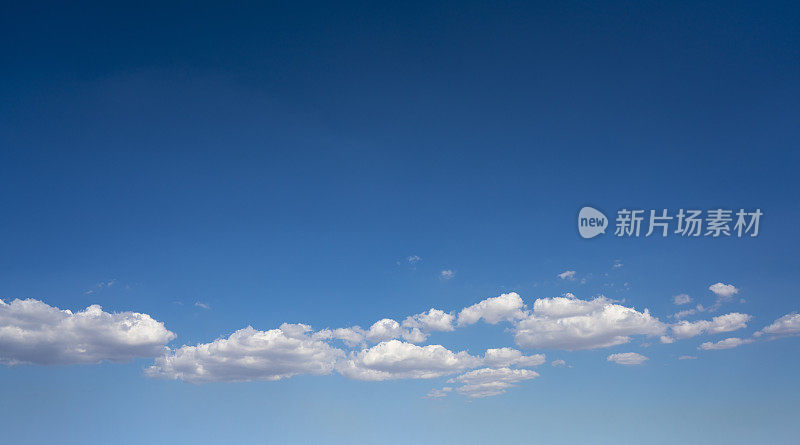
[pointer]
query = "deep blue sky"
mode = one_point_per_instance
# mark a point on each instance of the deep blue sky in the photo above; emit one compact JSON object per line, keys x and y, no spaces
{"x":276,"y":161}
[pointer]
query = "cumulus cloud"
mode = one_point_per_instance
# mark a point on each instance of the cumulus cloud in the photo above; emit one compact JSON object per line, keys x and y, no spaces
{"x":728,"y":343}
{"x":567,"y":275}
{"x":413,"y":259}
{"x":396,"y":359}
{"x":789,"y":324}
{"x":558,"y":363}
{"x":33,"y":332}
{"x":352,"y":336}
{"x":433,"y":320}
{"x":488,"y":382}
{"x":687,"y":329}
{"x":249,"y":354}
{"x":681,"y":299}
{"x":729,"y":322}
{"x":570,"y":323}
{"x":723,"y":323}
{"x":724,"y":293}
{"x":506,"y":307}
{"x":723,"y":290}
{"x":383,"y":330}
{"x":504,"y":357}
{"x":415,"y":336}
{"x":446,"y":274}
{"x":627,"y":358}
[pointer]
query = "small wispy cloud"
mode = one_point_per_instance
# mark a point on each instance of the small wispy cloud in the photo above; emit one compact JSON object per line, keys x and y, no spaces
{"x":413,"y":259}
{"x":728,"y":343}
{"x":687,"y":357}
{"x":439,"y":393}
{"x":567,"y":275}
{"x":202,"y":305}
{"x":101,"y":285}
{"x":447,"y":274}
{"x":558,"y":363}
{"x":617,"y":264}
{"x":687,"y":312}
{"x":627,"y":358}
{"x":681,"y":299}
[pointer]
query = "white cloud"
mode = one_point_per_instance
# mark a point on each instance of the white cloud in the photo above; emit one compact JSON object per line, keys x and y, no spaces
{"x":504,"y":357}
{"x":687,"y":357}
{"x":617,"y":264}
{"x":202,"y":305}
{"x":683,"y":314}
{"x":400,"y":360}
{"x":723,"y":323}
{"x":33,"y":332}
{"x":506,"y":307}
{"x":414,"y":259}
{"x":351,"y":336}
{"x":729,"y":322}
{"x":724,"y":293}
{"x":383,"y":330}
{"x":433,"y":320}
{"x":728,"y":343}
{"x":571,"y":324}
{"x":488,"y":382}
{"x":439,"y":393}
{"x":567,"y":275}
{"x":627,"y":358}
{"x":687,"y":312}
{"x":681,"y":299}
{"x":101,"y":285}
{"x":688,"y":329}
{"x":446,"y":274}
{"x":789,"y":324}
{"x":567,"y":306}
{"x":415,"y":336}
{"x":666,"y":339}
{"x":559,"y":362}
{"x":249,"y":354}
{"x":723,"y":290}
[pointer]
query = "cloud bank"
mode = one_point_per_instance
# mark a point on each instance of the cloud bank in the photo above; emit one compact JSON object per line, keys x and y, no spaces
{"x":249,"y":354}
{"x":569,"y":323}
{"x":33,"y":332}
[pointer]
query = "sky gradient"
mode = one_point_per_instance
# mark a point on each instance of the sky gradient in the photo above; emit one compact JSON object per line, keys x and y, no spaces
{"x":196,"y":170}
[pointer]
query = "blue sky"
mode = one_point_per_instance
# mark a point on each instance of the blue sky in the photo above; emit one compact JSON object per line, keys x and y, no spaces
{"x":218,"y":168}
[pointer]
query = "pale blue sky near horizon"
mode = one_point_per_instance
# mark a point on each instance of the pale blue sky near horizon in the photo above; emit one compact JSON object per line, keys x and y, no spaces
{"x":280,"y":162}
